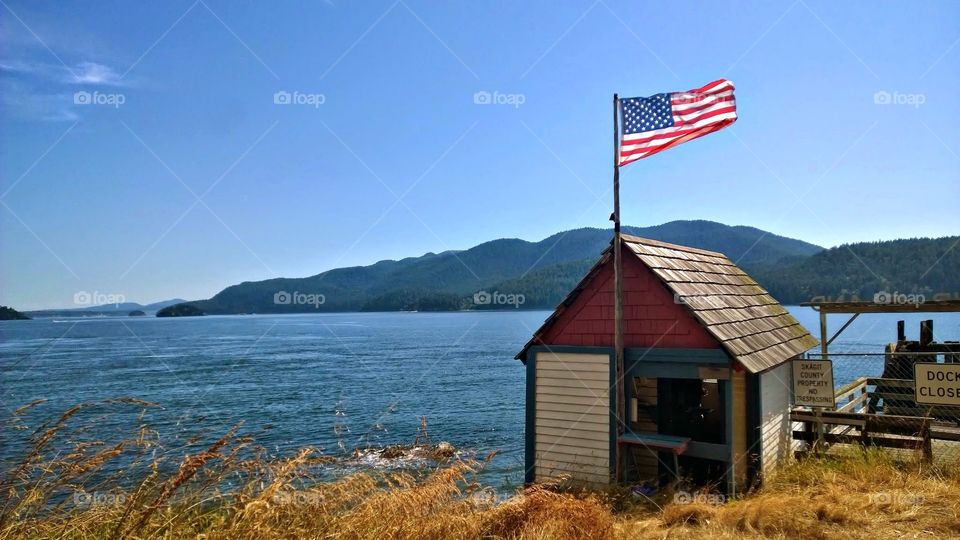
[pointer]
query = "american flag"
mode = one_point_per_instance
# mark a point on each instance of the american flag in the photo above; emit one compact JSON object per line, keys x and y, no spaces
{"x":653,"y":124}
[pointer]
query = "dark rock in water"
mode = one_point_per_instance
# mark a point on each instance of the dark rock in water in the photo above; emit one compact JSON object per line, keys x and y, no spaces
{"x":136,"y":313}
{"x":439,"y":452}
{"x":180,"y":310}
{"x":444,"y":450}
{"x":10,"y":314}
{"x":393,"y":452}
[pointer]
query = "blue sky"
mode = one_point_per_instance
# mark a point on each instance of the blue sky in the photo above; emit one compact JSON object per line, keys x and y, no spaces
{"x":184,"y":176}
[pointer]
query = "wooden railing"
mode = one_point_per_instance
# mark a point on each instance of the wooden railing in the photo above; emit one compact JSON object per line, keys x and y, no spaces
{"x":903,"y":424}
{"x":867,"y":429}
{"x":898,"y":397}
{"x":853,"y":397}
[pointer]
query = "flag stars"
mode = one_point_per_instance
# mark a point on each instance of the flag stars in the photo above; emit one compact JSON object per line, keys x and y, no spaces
{"x":645,"y":114}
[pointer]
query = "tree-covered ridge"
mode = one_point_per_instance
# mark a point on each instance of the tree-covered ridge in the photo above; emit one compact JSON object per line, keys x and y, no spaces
{"x":517,"y":274}
{"x":928,"y":266}
{"x":180,"y":310}
{"x":10,"y":314}
{"x":448,"y":280}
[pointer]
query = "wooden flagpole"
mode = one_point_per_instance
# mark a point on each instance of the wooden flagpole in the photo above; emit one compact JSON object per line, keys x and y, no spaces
{"x":618,"y":291}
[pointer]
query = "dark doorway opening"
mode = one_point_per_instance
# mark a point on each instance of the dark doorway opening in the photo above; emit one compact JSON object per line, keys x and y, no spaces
{"x":694,"y":408}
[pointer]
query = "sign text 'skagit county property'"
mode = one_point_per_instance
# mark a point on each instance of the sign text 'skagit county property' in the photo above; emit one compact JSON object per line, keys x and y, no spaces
{"x":937,"y":384}
{"x":813,"y":383}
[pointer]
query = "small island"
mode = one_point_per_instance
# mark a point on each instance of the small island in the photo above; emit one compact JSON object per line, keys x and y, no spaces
{"x":10,"y":314}
{"x":180,"y":310}
{"x":136,"y":313}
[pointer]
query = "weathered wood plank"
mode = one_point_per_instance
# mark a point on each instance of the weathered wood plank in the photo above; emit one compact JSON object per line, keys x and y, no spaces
{"x":563,"y":461}
{"x":544,"y":389}
{"x":598,"y":427}
{"x":576,"y":374}
{"x":599,"y":417}
{"x":598,"y":387}
{"x":573,"y":437}
{"x":854,"y":405}
{"x":575,"y":447}
{"x":873,"y":440}
{"x":574,"y":400}
{"x":571,"y":453}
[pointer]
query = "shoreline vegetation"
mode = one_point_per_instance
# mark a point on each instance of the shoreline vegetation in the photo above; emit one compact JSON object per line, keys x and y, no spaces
{"x":68,"y":485}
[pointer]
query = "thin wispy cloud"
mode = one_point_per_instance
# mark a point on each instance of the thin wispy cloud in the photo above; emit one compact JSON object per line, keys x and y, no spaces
{"x":94,"y":73}
{"x":90,"y":73}
{"x":44,"y":91}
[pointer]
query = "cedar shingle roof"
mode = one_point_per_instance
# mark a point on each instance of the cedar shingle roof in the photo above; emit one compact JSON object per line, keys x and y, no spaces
{"x":749,"y":324}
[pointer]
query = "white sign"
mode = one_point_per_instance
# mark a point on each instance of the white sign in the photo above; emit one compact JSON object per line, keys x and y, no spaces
{"x":937,"y":384}
{"x":813,"y":383}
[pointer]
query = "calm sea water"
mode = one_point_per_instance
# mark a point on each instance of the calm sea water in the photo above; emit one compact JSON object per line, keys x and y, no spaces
{"x":332,"y":381}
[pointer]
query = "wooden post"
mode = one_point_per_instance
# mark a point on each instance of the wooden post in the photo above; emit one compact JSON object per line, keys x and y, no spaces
{"x":824,"y":344}
{"x":618,"y":291}
{"x":927,"y":445}
{"x":926,"y":334}
{"x":823,"y":336}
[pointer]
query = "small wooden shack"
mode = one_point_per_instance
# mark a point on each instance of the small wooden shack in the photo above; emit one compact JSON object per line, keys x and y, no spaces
{"x":707,"y":380}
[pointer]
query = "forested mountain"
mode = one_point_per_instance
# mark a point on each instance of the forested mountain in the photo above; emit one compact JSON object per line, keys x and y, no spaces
{"x":535,"y":275}
{"x":441,"y":281}
{"x":928,"y":266}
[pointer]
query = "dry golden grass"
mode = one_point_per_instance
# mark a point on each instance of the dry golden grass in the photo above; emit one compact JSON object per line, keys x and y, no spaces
{"x":856,"y":494}
{"x":224,"y":490}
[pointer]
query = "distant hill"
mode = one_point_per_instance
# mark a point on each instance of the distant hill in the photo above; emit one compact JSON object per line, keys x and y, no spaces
{"x":10,"y":314}
{"x":928,"y":266}
{"x":121,"y":309}
{"x":542,"y":271}
{"x":180,"y":310}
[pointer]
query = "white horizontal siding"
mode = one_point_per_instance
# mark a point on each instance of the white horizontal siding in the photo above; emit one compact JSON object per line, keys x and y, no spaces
{"x":564,"y":424}
{"x":572,"y":422}
{"x":775,"y":427}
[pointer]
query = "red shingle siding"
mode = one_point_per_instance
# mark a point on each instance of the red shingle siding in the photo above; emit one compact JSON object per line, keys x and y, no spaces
{"x":651,"y":317}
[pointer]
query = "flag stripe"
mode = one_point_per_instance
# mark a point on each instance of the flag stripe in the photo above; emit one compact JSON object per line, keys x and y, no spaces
{"x":676,"y":142}
{"x":686,"y":105}
{"x":706,"y":116}
{"x":670,"y":140}
{"x":692,"y":116}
